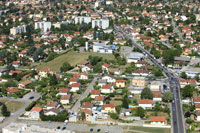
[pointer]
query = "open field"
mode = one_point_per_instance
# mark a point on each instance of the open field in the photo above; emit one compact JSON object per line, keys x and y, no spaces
{"x":12,"y":106}
{"x":147,"y":130}
{"x":71,"y":57}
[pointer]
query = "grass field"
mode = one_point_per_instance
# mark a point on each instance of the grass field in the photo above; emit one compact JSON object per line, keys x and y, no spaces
{"x":12,"y":106}
{"x":71,"y":57}
{"x":148,"y":130}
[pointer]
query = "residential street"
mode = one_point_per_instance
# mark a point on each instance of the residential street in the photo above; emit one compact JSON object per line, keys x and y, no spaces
{"x":77,"y":105}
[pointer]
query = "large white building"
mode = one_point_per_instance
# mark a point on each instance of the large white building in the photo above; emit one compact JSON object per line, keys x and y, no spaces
{"x":83,"y":19}
{"x":100,"y":23}
{"x":44,"y":26}
{"x":102,"y":48}
{"x":18,"y":30}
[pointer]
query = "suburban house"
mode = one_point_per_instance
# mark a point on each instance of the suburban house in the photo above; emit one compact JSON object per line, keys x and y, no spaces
{"x":157,"y":96}
{"x":74,"y":87}
{"x":87,"y":68}
{"x":35,"y":113}
{"x":108,"y":108}
{"x":52,"y":112}
{"x":44,"y":73}
{"x":63,"y":91}
{"x":125,"y":112}
{"x":73,"y":80}
{"x":120,"y":83}
{"x":140,"y":63}
{"x":115,"y":71}
{"x":107,"y":89}
{"x":65,"y":99}
{"x":51,"y":105}
{"x":24,"y":84}
{"x":99,"y":100}
{"x":138,"y":81}
{"x":102,"y":82}
{"x":83,"y":76}
{"x":12,"y":90}
{"x":185,"y":82}
{"x":155,"y":86}
{"x":88,"y":114}
{"x":109,"y":79}
{"x":87,"y":105}
{"x":145,"y":103}
{"x":140,"y":72}
{"x":105,"y":67}
{"x":157,"y":120}
{"x":95,"y":93}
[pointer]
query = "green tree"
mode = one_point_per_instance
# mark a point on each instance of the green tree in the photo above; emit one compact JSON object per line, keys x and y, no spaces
{"x":5,"y":111}
{"x":157,"y":107}
{"x":125,"y":102}
{"x":53,"y":80}
{"x":83,"y":115}
{"x":114,"y":116}
{"x":187,"y":91}
{"x":146,"y":94}
{"x":157,"y":72}
{"x":184,"y":75}
{"x":65,"y":67}
{"x":140,"y":112}
{"x":167,"y":96}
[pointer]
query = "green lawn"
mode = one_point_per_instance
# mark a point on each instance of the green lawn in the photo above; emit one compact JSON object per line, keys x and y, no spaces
{"x":150,"y":129}
{"x":12,"y":106}
{"x":71,"y":57}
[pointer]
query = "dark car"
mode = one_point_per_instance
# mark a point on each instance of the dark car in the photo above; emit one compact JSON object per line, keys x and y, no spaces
{"x":91,"y":129}
{"x":31,"y":97}
{"x":58,"y":127}
{"x":63,"y":128}
{"x":98,"y":130}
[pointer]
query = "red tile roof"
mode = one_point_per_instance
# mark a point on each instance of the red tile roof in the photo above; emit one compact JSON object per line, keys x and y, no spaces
{"x":12,"y":90}
{"x":38,"y":109}
{"x":95,"y":92}
{"x":73,"y":79}
{"x":108,"y":105}
{"x":145,"y":101}
{"x":86,"y":111}
{"x":196,"y":99}
{"x":75,"y":85}
{"x":108,"y":86}
{"x":87,"y":105}
{"x":121,"y":81}
{"x":157,"y":94}
{"x":157,"y":118}
{"x":106,"y":65}
{"x":99,"y":98}
{"x":63,"y":90}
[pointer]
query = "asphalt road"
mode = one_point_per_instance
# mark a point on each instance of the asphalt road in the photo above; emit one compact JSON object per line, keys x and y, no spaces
{"x":177,"y":114}
{"x":77,"y":105}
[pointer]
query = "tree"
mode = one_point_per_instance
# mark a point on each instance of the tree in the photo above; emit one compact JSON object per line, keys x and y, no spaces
{"x":167,"y":96}
{"x":140,"y":112}
{"x":184,"y":75}
{"x":114,"y":116}
{"x":157,"y":107}
{"x":83,"y":115}
{"x":187,"y":91}
{"x":65,"y":67}
{"x":4,"y":111}
{"x":125,"y":102}
{"x":146,"y":94}
{"x":157,"y":72}
{"x":53,"y":80}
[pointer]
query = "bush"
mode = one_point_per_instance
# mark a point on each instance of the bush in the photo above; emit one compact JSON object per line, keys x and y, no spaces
{"x":30,"y":106}
{"x":189,"y":121}
{"x":114,"y":116}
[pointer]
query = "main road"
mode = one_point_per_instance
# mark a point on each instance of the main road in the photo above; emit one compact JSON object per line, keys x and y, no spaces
{"x":177,"y":114}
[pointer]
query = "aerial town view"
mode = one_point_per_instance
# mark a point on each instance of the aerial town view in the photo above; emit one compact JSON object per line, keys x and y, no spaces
{"x":99,"y":66}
